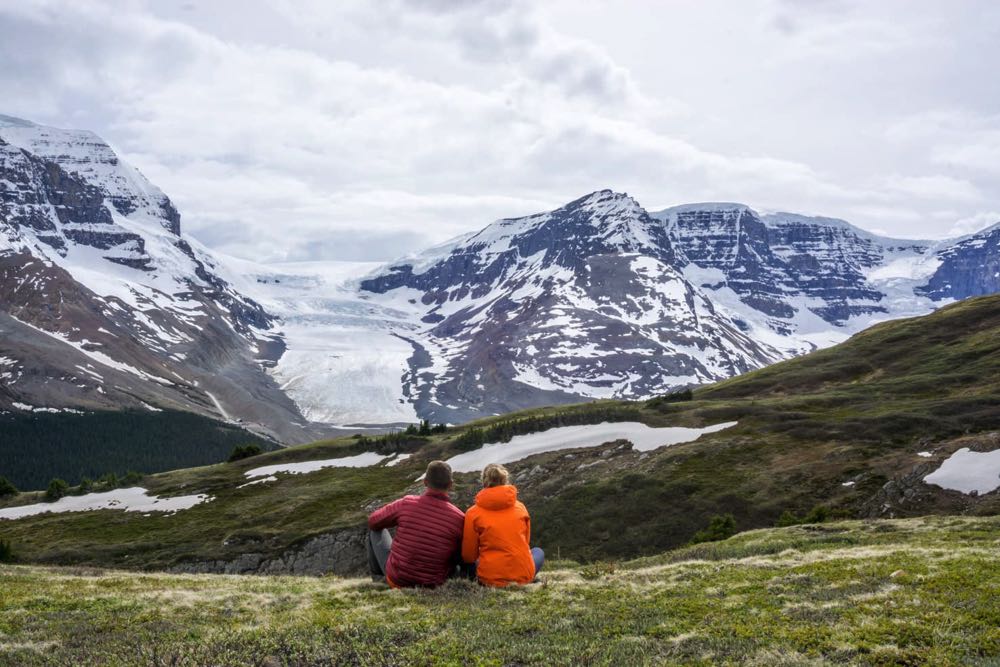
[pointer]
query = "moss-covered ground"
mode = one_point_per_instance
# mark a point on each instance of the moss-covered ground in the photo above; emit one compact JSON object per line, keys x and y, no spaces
{"x":903,"y":592}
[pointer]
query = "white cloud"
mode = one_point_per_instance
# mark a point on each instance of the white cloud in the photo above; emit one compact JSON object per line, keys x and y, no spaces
{"x":937,"y":188}
{"x":974,"y":223}
{"x":291,"y":130}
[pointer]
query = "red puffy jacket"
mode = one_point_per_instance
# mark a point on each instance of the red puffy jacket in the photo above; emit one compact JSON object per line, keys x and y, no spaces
{"x":428,"y":538}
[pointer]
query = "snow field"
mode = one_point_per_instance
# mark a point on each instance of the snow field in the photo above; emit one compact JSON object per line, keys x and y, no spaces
{"x":133,"y":499}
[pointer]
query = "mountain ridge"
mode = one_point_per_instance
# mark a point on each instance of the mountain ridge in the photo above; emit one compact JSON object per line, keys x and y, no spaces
{"x":596,"y":299}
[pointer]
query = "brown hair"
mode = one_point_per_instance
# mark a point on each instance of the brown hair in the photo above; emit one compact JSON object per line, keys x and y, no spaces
{"x":438,"y":475}
{"x":495,"y":475}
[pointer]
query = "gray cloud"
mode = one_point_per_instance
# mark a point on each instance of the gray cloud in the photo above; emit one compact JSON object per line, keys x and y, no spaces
{"x":352,"y":131}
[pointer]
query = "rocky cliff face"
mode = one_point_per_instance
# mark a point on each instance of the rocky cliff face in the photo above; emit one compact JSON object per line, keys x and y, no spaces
{"x":970,"y":267}
{"x":339,"y":552}
{"x":783,"y":263}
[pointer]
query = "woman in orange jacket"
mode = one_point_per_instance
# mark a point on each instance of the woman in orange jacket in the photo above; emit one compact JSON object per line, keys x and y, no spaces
{"x":498,"y":532}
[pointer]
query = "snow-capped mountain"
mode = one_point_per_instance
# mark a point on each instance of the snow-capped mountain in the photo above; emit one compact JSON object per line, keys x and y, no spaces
{"x":586,"y":300}
{"x":105,"y":304}
{"x":809,"y":280}
{"x":601,"y":299}
{"x":969,"y":267}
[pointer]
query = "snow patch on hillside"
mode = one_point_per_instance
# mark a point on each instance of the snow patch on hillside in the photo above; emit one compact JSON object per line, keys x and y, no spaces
{"x":643,"y":438}
{"x":357,"y":461}
{"x":133,"y":499}
{"x":968,"y":472}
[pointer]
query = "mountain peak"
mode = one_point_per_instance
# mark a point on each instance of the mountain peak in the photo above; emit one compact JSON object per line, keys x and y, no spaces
{"x":86,"y":154}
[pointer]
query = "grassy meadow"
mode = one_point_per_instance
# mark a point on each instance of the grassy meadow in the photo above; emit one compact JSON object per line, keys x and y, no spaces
{"x":902,"y":592}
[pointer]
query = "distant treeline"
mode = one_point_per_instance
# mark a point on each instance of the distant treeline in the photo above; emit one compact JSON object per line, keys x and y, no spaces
{"x":36,"y":448}
{"x":408,"y":440}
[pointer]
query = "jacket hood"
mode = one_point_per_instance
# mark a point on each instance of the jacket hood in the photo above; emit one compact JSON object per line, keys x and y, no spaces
{"x":497,"y":497}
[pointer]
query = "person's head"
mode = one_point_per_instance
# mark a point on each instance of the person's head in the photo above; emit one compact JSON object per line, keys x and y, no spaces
{"x":438,"y":476}
{"x":495,"y":475}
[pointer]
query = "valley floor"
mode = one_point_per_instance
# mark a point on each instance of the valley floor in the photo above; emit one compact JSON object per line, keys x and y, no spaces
{"x":913,"y":591}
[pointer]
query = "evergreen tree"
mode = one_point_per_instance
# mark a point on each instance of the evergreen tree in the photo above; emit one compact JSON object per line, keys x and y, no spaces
{"x":6,"y":488}
{"x":57,"y":489}
{"x":244,"y":452}
{"x":720,"y":527}
{"x":131,"y":478}
{"x":36,"y":447}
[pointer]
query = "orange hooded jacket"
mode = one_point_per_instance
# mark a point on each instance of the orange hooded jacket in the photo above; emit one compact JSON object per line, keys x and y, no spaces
{"x":497,"y":534}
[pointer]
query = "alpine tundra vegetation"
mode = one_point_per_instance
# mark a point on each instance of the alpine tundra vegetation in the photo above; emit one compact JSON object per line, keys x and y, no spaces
{"x":905,"y":591}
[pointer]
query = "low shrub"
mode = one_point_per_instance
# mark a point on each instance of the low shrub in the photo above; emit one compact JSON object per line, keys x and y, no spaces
{"x":597,"y":570}
{"x":818,"y":514}
{"x":673,"y":397}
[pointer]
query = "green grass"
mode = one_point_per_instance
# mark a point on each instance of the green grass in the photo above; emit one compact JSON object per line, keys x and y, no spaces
{"x":916,"y":591}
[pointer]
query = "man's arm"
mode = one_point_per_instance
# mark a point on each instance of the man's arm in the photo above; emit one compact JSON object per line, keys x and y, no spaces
{"x":386,"y":516}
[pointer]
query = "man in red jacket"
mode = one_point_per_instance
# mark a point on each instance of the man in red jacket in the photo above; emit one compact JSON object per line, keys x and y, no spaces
{"x":428,"y":534}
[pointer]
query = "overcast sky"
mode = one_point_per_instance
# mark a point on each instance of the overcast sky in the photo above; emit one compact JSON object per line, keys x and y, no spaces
{"x":289,"y":130}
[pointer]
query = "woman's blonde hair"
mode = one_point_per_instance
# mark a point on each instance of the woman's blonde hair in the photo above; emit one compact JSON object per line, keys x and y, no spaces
{"x":495,"y":475}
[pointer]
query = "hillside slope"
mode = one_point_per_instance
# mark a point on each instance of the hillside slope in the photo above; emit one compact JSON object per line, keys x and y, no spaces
{"x":856,"y":428}
{"x":916,"y":591}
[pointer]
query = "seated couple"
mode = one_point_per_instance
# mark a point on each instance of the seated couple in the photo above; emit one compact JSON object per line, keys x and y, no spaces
{"x":434,"y":538}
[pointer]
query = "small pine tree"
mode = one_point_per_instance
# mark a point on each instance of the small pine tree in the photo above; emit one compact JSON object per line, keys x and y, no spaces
{"x":108,"y":481}
{"x":57,"y":489}
{"x":86,"y":485}
{"x":425,"y":427}
{"x":410,"y":430}
{"x":720,"y":527}
{"x":439,"y":428}
{"x":244,"y":452}
{"x":6,"y":552}
{"x":131,"y":478}
{"x":6,"y":488}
